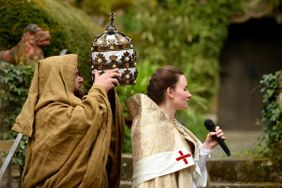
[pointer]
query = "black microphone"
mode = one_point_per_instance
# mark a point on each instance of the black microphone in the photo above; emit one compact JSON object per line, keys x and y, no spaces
{"x":209,"y":124}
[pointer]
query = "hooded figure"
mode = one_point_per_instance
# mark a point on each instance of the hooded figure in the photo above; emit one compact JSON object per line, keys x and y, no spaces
{"x":73,"y":142}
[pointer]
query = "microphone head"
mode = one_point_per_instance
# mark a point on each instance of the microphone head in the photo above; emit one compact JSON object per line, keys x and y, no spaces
{"x":209,"y":124}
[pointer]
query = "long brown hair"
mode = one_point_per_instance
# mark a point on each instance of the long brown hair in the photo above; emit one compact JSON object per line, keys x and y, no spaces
{"x":163,"y":78}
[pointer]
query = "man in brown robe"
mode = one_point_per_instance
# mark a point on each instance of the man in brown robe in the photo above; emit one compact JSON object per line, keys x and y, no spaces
{"x":73,"y":142}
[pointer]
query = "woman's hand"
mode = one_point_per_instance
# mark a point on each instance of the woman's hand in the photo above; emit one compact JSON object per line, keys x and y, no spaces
{"x":210,"y":141}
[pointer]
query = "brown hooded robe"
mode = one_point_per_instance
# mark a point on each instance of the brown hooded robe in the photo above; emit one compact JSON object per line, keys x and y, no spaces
{"x":71,"y":140}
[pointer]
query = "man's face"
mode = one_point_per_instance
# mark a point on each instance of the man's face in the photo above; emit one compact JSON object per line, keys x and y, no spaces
{"x":78,"y":82}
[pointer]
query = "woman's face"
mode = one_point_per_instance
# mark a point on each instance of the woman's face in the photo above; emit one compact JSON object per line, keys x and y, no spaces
{"x":180,"y":94}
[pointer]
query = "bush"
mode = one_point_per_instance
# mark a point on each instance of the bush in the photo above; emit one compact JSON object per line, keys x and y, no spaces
{"x":187,"y":34}
{"x":272,"y":115}
{"x":14,"y":82}
{"x":70,"y":28}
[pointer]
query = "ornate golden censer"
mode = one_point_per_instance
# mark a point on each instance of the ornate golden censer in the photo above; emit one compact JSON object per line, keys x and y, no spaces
{"x":113,"y":49}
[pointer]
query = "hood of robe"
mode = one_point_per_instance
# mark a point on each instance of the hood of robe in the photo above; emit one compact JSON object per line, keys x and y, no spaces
{"x":53,"y":80}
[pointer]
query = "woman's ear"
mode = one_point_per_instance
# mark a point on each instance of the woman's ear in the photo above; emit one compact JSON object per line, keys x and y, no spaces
{"x":170,"y":92}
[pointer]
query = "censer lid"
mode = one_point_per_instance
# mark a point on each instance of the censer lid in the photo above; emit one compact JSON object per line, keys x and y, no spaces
{"x":111,"y":39}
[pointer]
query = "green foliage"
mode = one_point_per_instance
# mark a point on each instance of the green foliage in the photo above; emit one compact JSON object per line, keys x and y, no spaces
{"x":101,"y":7}
{"x":188,"y":34}
{"x":127,"y":148}
{"x":272,"y":115}
{"x":70,"y":28}
{"x":194,"y":121}
{"x":14,"y":82}
{"x":19,"y":157}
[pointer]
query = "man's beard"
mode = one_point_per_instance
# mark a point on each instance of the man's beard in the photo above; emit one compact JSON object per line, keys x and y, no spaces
{"x":78,"y":93}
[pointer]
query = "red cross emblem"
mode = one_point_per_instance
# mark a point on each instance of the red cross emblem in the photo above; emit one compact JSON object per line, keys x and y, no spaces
{"x":183,"y":157}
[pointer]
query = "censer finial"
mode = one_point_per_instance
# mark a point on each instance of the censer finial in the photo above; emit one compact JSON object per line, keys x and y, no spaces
{"x":111,"y":28}
{"x":112,"y":18}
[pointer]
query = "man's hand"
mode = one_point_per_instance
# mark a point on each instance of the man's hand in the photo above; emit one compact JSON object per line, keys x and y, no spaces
{"x":108,"y":80}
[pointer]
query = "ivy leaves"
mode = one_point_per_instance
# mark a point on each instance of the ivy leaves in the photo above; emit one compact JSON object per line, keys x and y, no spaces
{"x":14,"y":85}
{"x":272,"y":114}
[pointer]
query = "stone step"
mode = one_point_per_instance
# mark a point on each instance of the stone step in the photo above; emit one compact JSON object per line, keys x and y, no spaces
{"x":126,"y":167}
{"x":229,"y":170}
{"x":5,"y":145}
{"x":245,"y":170}
{"x":127,"y":184}
{"x":246,"y":185}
